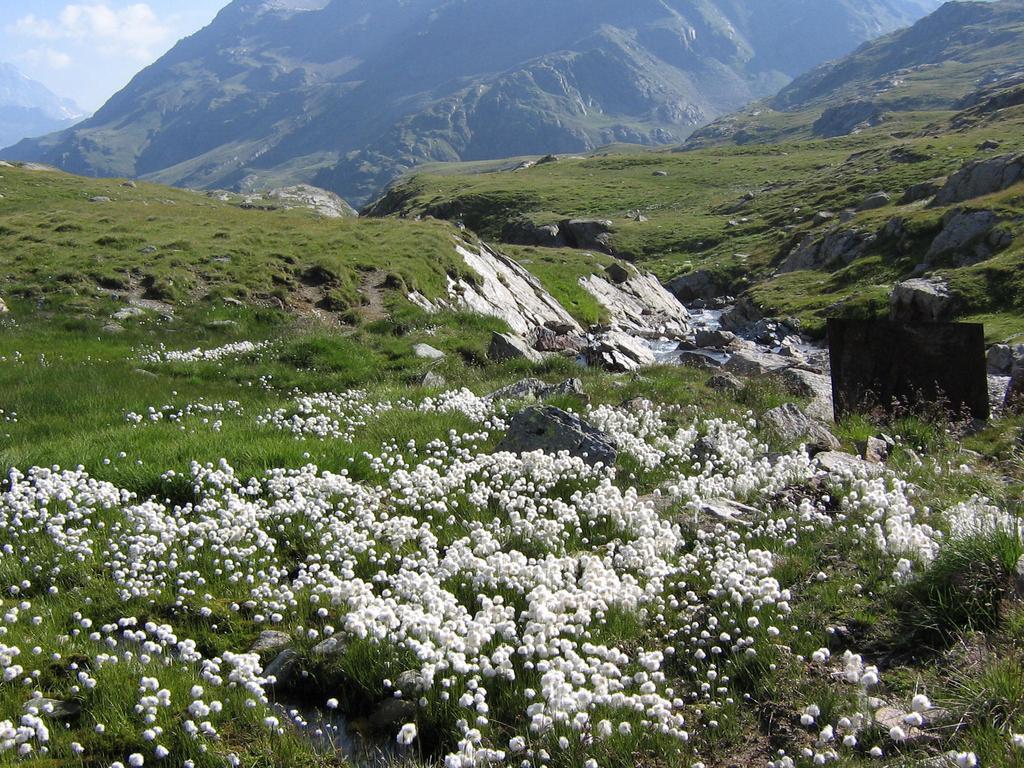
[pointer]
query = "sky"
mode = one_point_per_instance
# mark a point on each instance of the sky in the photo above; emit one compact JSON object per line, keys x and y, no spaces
{"x":87,"y":50}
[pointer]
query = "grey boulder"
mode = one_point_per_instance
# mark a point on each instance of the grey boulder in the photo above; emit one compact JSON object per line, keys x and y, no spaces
{"x":427,"y":352}
{"x":508,"y":346}
{"x":791,"y":424}
{"x":982,"y":177}
{"x":553,"y":430}
{"x":921,"y":300}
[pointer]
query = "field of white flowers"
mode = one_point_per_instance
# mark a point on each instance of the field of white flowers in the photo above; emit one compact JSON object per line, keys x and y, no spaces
{"x":476,"y":607}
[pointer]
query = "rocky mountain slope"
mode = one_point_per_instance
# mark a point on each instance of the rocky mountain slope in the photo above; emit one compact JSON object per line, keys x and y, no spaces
{"x":29,"y":108}
{"x":966,"y":54}
{"x":346,"y":94}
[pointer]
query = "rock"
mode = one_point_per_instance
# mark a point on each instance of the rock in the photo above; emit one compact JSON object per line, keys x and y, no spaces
{"x":3,"y":307}
{"x":390,"y":714}
{"x":1001,"y":358}
{"x":504,"y":289}
{"x":874,"y":451}
{"x":701,"y":360}
{"x":887,"y":718}
{"x":989,"y":145}
{"x":271,"y":640}
{"x":508,"y":346}
{"x":321,"y":201}
{"x":284,"y":668}
{"x":822,"y":217}
{"x":129,"y":184}
{"x":922,"y":191}
{"x":846,"y":464}
{"x":838,"y":248}
{"x":54,"y":709}
{"x":427,"y":352}
{"x":1018,"y":577}
{"x":113,"y":328}
{"x":99,"y":199}
{"x":725,"y":382}
{"x":535,"y":389}
{"x":698,"y":285}
{"x":552,"y":430}
{"x":816,"y":386}
{"x":128,"y":313}
{"x":969,"y":236}
{"x":791,"y":424}
{"x":332,"y":646}
{"x":617,"y":273}
{"x":222,"y":324}
{"x":433,"y":380}
{"x":875,"y":201}
{"x":982,"y":177}
{"x":526,"y":232}
{"x":847,"y":118}
{"x":549,"y":340}
{"x":921,"y":300}
{"x":712,"y":338}
{"x":743,"y":315}
{"x":660,"y":174}
{"x":638,"y":303}
{"x":148,"y":249}
{"x":727,"y":511}
{"x":619,"y":352}
{"x":637,"y":216}
{"x":1015,"y":392}
{"x":588,"y":234}
{"x":754,"y":362}
{"x":410,"y":681}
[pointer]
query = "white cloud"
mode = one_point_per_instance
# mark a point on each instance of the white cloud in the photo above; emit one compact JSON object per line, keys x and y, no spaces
{"x":45,"y":57}
{"x":132,"y":30}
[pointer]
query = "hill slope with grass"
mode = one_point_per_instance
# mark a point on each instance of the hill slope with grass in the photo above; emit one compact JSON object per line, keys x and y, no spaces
{"x":348,"y":95}
{"x":807,"y":226}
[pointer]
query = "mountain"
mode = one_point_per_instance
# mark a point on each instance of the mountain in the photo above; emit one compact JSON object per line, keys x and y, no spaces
{"x":347,"y":94}
{"x":965,"y":53}
{"x":28,"y":108}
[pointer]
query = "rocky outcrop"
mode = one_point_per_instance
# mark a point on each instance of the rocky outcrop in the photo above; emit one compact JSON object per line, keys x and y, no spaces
{"x":743,"y":315}
{"x":324,"y":203}
{"x":921,"y":300}
{"x":588,"y":234}
{"x":816,"y":386}
{"x":526,"y":232}
{"x":552,"y":430}
{"x":619,"y":352}
{"x":847,"y":118}
{"x":504,"y":290}
{"x":982,"y":177}
{"x":968,"y":237}
{"x":508,"y":346}
{"x":636,"y":302}
{"x":700,"y":285}
{"x":838,"y":248}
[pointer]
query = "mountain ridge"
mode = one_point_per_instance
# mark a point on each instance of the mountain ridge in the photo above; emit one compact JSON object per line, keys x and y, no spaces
{"x":349,"y":94}
{"x":28,"y":108}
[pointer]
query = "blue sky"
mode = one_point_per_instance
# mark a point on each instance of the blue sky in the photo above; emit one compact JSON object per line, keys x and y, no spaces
{"x":88,"y":49}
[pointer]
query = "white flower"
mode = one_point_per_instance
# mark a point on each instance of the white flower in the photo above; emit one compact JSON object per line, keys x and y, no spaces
{"x":407,"y":734}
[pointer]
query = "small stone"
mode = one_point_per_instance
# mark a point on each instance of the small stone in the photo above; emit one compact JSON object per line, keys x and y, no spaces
{"x":99,"y":199}
{"x":660,"y":174}
{"x":54,"y":709}
{"x":725,"y":382}
{"x":332,"y":646}
{"x":129,"y":184}
{"x":877,"y":200}
{"x":128,"y":313}
{"x":283,"y":668}
{"x":717,"y":339}
{"x":846,"y":464}
{"x":433,"y":380}
{"x":113,"y":328}
{"x":427,"y":352}
{"x":875,"y":451}
{"x":271,"y":640}
{"x":508,"y":346}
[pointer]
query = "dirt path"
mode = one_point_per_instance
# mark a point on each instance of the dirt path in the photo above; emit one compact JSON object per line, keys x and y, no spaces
{"x":372,"y":288}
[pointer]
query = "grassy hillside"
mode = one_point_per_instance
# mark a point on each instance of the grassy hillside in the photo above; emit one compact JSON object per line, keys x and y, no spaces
{"x":698,"y":219}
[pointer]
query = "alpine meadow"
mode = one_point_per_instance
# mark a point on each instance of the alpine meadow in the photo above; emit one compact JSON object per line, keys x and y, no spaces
{"x":515,"y":383}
